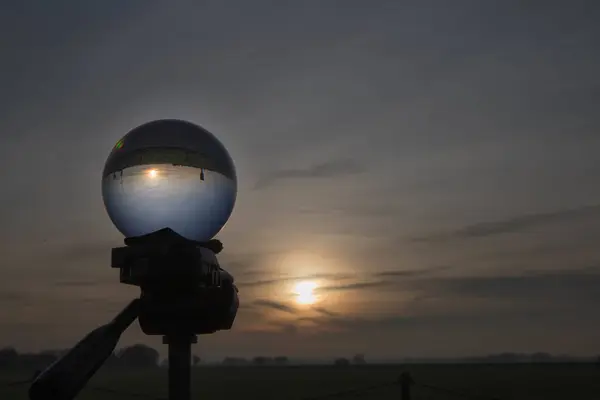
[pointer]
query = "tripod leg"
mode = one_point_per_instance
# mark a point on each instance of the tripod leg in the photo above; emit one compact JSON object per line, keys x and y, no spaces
{"x":64,"y":379}
{"x":180,"y":360}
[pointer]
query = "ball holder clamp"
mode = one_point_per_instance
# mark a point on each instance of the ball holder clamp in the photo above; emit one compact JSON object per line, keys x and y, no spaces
{"x":184,"y":293}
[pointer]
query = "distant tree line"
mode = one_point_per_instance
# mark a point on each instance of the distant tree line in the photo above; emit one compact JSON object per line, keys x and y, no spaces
{"x":256,"y":361}
{"x":143,"y":356}
{"x":509,"y":358}
{"x":358,"y":359}
{"x":136,"y":356}
{"x":520,"y":358}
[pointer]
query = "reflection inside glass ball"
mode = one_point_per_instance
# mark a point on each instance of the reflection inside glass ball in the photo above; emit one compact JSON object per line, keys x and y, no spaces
{"x":184,"y":181}
{"x":152,"y":173}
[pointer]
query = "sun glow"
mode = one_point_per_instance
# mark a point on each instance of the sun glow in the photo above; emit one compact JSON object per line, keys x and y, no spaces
{"x":152,"y":173}
{"x":304,"y":292}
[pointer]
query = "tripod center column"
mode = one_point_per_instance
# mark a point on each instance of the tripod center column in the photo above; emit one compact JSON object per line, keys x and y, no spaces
{"x":180,"y":360}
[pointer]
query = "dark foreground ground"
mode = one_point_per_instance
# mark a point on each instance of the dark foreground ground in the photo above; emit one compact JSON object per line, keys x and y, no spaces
{"x":506,"y":382}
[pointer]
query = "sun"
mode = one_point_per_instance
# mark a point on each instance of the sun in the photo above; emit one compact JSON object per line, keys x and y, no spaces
{"x":152,"y":173}
{"x":305,"y":292}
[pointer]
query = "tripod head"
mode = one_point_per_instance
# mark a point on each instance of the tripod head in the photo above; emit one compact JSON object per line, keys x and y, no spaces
{"x":184,"y":292}
{"x":183,"y":288}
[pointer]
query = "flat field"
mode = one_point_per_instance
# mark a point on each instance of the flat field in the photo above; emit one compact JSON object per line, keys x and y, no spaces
{"x":505,"y":382}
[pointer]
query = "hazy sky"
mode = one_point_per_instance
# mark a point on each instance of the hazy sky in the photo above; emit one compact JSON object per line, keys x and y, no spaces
{"x":432,"y":165}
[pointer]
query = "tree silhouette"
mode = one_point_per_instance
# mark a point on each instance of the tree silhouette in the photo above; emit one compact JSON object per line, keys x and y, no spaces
{"x":260,"y":360}
{"x":359,"y":359}
{"x":33,"y":361}
{"x":341,"y":362}
{"x":234,"y":361}
{"x":541,"y":357}
{"x":281,"y":360}
{"x":8,"y":357}
{"x":138,"y":356}
{"x":112,"y":361}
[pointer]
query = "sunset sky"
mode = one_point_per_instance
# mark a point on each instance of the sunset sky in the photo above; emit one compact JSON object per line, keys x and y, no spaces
{"x":431,"y":167}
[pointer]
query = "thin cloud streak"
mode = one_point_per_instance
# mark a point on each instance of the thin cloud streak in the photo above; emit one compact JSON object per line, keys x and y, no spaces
{"x":513,"y":225}
{"x":326,"y":312}
{"x":353,"y":286}
{"x":329,"y":169}
{"x":267,"y":282}
{"x":274,"y":305}
{"x":413,"y":273}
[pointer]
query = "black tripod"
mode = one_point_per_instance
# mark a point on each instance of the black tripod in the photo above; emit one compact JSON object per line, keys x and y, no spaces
{"x":184,"y":293}
{"x":180,"y":353}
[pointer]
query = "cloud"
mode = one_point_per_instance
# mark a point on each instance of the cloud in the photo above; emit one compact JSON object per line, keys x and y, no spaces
{"x":267,"y":282}
{"x":546,"y":298}
{"x":325,"y":312}
{"x":429,"y":302}
{"x":275,"y":305}
{"x":329,"y":169}
{"x":551,"y":287}
{"x":8,"y":296}
{"x":353,"y":286}
{"x":291,"y":95}
{"x":356,"y":285}
{"x":411,"y":273}
{"x":380,"y":210}
{"x":262,"y":282}
{"x":393,"y":324}
{"x":434,"y":301}
{"x":512,"y":225}
{"x":81,"y":283}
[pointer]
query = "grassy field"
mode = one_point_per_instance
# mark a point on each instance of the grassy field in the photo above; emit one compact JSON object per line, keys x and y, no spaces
{"x":506,"y":382}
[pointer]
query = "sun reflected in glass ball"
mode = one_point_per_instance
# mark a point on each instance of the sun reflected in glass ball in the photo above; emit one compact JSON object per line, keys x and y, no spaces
{"x":169,"y":174}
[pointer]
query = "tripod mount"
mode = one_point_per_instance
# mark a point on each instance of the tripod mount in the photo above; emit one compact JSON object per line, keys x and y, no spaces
{"x":183,"y":293}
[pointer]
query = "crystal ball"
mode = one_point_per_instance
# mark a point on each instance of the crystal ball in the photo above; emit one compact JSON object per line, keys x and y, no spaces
{"x":169,"y":174}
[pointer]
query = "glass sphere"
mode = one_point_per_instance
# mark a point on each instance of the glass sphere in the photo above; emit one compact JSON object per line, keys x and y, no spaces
{"x":169,"y":174}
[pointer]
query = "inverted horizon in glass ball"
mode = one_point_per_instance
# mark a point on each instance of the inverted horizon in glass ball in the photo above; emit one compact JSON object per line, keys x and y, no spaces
{"x":169,"y":174}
